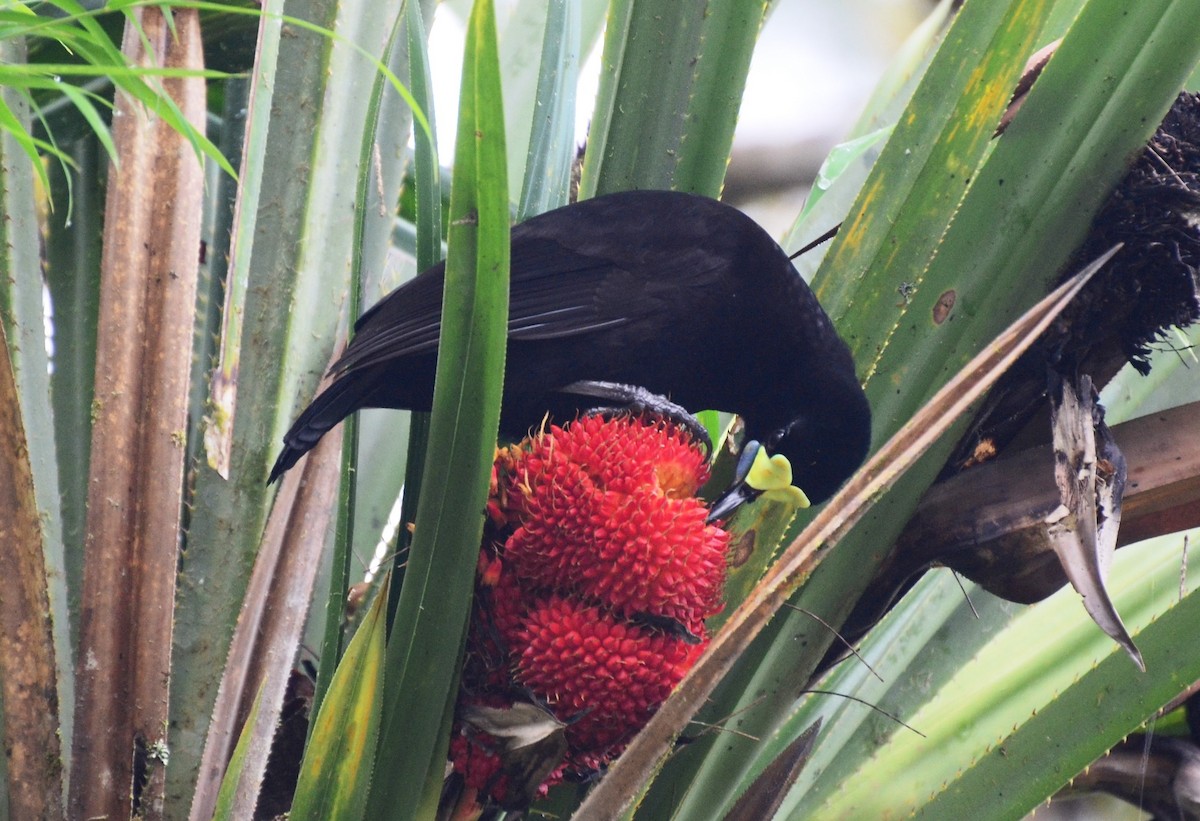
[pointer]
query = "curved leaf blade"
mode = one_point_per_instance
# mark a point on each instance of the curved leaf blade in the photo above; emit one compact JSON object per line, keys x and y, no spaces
{"x":340,"y":754}
{"x":431,"y":617}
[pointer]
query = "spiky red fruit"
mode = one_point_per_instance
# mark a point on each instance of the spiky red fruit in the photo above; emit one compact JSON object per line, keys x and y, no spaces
{"x":597,"y":671}
{"x":477,"y":758}
{"x":606,"y":509}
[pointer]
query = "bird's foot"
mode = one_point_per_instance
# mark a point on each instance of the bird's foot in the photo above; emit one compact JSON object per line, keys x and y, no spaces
{"x":619,"y":398}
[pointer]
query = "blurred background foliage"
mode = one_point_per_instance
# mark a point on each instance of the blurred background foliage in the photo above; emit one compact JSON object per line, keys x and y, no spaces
{"x":230,"y":183}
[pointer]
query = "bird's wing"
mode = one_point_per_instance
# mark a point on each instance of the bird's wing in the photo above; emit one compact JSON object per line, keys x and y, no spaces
{"x":403,"y":323}
{"x":555,"y":292}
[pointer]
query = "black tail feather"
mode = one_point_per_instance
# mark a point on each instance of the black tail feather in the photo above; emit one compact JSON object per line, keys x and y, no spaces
{"x":334,"y":404}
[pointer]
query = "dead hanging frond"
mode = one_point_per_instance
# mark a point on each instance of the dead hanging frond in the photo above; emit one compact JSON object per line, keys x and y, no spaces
{"x":1003,"y":545}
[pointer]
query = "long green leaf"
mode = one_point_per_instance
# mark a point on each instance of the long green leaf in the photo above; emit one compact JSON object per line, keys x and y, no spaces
{"x":73,"y":280}
{"x":427,"y":171}
{"x":369,"y":175}
{"x":22,"y":312}
{"x":547,"y":168}
{"x":1041,"y":703}
{"x":657,"y":125}
{"x":229,"y":514}
{"x":34,"y":637}
{"x":428,"y":191}
{"x":431,"y":617}
{"x":288,"y":277}
{"x":567,"y":31}
{"x":337,"y":762}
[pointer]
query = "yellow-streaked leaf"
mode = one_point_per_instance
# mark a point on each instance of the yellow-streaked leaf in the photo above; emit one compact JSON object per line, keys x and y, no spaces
{"x":340,"y":755}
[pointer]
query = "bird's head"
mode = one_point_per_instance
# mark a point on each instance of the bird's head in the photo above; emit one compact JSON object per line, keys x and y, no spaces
{"x":823,"y":446}
{"x":827,"y":441}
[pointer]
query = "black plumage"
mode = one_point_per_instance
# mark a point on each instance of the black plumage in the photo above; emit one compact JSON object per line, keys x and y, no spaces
{"x":676,"y":293}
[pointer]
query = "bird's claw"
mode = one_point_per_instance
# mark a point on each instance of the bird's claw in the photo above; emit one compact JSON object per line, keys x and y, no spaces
{"x":634,"y":401}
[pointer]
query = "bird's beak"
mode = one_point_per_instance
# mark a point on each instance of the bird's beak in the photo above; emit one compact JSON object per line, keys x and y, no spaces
{"x":758,"y":474}
{"x":739,"y":492}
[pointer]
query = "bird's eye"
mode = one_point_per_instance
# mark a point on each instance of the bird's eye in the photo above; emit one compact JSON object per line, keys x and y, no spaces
{"x":792,"y":428}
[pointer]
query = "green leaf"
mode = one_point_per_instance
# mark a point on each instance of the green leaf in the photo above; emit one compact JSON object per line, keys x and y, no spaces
{"x":45,"y":636}
{"x":567,"y":30}
{"x":427,"y":171}
{"x":923,"y":640}
{"x":231,"y":782}
{"x":367,"y":221}
{"x":427,"y":195}
{"x":1040,"y":704}
{"x":657,"y":124}
{"x":89,"y":112}
{"x":341,"y":747}
{"x":73,"y":245}
{"x":288,"y":277}
{"x":552,"y":134}
{"x":427,"y":636}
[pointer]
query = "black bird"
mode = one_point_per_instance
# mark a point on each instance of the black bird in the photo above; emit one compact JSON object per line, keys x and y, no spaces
{"x":674,"y":293}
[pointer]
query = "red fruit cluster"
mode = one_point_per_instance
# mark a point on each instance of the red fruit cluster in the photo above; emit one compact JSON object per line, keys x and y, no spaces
{"x":606,"y":511}
{"x":597,"y":573}
{"x":598,"y":670}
